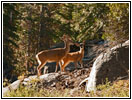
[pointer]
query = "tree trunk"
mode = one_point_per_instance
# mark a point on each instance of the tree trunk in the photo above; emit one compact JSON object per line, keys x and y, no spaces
{"x":44,"y":35}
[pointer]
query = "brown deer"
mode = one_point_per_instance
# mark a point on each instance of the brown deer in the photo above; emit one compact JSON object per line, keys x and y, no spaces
{"x":53,"y":55}
{"x":74,"y":57}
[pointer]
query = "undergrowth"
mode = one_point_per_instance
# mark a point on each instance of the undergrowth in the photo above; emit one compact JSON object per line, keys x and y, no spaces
{"x":116,"y":89}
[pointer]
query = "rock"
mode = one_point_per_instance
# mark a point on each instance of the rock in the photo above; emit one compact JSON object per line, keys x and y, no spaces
{"x":11,"y":87}
{"x":26,"y":82}
{"x":47,"y":78}
{"x":32,"y":77}
{"x":112,"y":64}
{"x":26,"y":79}
{"x":15,"y":85}
{"x":5,"y":90}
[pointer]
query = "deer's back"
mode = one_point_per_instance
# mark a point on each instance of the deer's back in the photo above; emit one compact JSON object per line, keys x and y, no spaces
{"x":51,"y":55}
{"x":76,"y":56}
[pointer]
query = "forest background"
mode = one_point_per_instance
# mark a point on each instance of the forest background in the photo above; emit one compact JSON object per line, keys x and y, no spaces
{"x":31,"y":27}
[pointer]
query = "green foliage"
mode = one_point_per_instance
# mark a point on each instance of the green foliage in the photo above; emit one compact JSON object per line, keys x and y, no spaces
{"x":10,"y":38}
{"x":117,"y":22}
{"x":82,"y":21}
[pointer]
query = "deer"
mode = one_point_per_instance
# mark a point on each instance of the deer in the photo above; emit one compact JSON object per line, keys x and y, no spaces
{"x":74,"y":57}
{"x":54,"y":55}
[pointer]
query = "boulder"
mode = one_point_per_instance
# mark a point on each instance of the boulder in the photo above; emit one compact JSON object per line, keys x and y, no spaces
{"x":11,"y":87}
{"x":49,"y":78}
{"x":111,"y":64}
{"x":46,"y":77}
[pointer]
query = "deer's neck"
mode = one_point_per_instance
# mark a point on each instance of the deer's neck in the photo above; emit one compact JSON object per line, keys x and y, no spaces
{"x":81,"y":50}
{"x":67,"y":47}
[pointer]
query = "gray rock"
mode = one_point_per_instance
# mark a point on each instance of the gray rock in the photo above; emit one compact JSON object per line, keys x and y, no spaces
{"x":43,"y":78}
{"x":11,"y":87}
{"x":112,"y":64}
{"x":5,"y":90}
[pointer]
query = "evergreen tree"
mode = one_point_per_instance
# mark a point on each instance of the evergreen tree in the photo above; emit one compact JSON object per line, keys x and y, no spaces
{"x":117,"y":22}
{"x":10,"y":38}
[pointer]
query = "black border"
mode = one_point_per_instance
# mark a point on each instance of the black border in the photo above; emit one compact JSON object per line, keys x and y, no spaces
{"x":66,"y":97}
{"x":64,"y":1}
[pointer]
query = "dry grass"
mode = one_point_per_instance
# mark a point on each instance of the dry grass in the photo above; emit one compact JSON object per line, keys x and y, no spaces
{"x":117,"y":89}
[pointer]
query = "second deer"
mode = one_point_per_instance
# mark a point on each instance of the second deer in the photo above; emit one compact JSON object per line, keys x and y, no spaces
{"x":74,"y":57}
{"x":53,"y":55}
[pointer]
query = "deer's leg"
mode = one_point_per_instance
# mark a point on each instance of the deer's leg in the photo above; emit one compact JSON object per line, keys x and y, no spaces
{"x":45,"y":70}
{"x":40,"y":67}
{"x":63,"y":66}
{"x":81,"y":64}
{"x":57,"y":63}
{"x":60,"y":63}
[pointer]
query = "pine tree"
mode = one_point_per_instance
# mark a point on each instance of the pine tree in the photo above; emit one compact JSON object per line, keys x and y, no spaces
{"x":10,"y":38}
